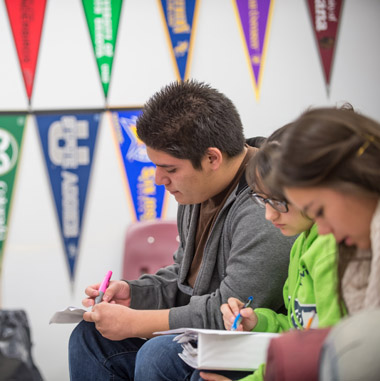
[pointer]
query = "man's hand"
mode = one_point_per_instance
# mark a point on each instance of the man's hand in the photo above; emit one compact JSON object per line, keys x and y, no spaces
{"x":231,"y":309}
{"x":116,"y":321}
{"x":113,"y":321}
{"x":118,"y":292}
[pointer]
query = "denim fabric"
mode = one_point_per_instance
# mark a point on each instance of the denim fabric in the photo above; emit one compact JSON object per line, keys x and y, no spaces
{"x":158,"y":360}
{"x":93,"y":357}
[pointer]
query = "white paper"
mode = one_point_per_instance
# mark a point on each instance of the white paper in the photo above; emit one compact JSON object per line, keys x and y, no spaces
{"x":221,"y":349}
{"x":194,"y":332}
{"x":69,"y":315}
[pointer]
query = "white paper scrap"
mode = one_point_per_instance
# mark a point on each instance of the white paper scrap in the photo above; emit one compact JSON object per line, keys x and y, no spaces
{"x":69,"y":315}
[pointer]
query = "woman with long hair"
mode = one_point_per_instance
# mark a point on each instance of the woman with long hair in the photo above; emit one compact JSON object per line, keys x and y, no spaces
{"x":329,"y":167}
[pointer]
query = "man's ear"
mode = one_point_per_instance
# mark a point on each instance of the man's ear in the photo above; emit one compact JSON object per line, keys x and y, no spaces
{"x":214,"y":157}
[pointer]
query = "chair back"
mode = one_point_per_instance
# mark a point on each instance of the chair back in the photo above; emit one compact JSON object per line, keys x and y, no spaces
{"x":149,"y":245}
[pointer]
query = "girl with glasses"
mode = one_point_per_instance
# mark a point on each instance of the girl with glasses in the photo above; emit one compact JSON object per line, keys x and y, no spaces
{"x":310,"y":292}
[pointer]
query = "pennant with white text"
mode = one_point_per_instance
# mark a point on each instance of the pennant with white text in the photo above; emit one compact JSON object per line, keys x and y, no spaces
{"x":103,"y":23}
{"x":11,"y":133}
{"x":325,"y":16}
{"x":68,"y":142}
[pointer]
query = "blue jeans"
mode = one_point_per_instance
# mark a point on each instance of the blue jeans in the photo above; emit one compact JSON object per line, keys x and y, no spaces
{"x":93,"y":357}
{"x":158,"y":360}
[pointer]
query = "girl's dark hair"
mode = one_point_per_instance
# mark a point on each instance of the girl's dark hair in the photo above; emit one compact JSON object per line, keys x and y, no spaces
{"x":335,"y":148}
{"x":259,"y":169}
{"x":260,"y":166}
{"x":331,"y":147}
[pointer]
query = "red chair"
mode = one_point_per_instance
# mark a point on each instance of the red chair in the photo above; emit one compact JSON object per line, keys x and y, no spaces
{"x":149,"y":245}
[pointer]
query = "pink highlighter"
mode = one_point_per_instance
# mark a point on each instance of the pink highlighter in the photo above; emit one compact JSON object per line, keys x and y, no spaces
{"x":103,"y":287}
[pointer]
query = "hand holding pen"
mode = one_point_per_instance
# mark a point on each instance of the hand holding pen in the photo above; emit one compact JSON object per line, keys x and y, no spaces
{"x":235,"y":311}
{"x":118,"y":292}
{"x":103,"y":286}
{"x":239,"y":318}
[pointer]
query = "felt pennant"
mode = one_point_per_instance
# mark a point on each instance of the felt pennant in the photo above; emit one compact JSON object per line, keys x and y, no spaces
{"x":254,"y":19}
{"x":103,"y":23}
{"x":148,"y":199}
{"x":325,"y":16}
{"x":26,"y":19}
{"x":68,"y":143}
{"x":179,"y":18}
{"x":11,"y":134}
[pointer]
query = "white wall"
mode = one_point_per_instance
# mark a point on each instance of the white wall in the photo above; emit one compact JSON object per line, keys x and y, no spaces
{"x":34,"y":275}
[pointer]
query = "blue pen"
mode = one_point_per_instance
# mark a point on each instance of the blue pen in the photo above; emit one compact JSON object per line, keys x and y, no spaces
{"x":239,"y":318}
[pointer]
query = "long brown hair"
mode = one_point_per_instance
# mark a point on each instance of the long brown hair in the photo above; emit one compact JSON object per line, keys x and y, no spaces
{"x":335,"y":148}
{"x":331,"y":147}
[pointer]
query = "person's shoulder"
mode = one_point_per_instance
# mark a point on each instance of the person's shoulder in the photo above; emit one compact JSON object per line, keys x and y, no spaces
{"x":320,"y":246}
{"x":241,"y":209}
{"x":242,"y":200}
{"x":326,"y":241}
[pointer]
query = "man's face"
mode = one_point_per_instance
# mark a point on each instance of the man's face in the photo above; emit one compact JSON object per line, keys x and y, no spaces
{"x":187,"y":184}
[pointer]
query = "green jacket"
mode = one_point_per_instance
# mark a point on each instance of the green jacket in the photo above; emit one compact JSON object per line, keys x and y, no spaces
{"x":311,"y":287}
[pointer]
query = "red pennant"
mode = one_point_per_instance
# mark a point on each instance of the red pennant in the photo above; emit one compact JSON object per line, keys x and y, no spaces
{"x":26,"y":19}
{"x":325,"y":18}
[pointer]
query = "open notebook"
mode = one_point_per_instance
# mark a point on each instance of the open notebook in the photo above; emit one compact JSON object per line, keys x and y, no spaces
{"x":222,"y":350}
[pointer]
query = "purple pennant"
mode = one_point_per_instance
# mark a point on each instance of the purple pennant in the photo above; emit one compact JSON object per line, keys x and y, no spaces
{"x":254,"y":17}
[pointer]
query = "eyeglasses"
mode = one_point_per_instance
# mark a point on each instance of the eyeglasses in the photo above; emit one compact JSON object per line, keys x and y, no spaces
{"x":279,"y":206}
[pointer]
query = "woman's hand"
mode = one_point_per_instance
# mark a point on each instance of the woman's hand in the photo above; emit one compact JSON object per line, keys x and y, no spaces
{"x":231,"y":309}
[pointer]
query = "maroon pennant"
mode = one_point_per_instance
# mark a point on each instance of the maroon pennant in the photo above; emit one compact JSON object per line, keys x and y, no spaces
{"x":325,"y":15}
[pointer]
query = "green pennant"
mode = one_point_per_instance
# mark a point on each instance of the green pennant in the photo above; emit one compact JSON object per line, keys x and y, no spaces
{"x":103,"y":22}
{"x":11,"y":132}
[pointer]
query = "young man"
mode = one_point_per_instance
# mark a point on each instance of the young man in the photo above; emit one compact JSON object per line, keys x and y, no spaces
{"x":194,"y":135}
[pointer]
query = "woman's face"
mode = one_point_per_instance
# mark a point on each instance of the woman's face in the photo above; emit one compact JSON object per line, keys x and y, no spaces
{"x":347,"y":216}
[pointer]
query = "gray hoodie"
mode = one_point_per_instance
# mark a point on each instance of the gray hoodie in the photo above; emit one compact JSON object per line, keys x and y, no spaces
{"x":245,"y":255}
